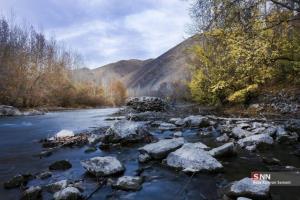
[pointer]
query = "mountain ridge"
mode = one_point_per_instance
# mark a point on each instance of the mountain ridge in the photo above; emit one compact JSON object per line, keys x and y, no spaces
{"x":146,"y":77}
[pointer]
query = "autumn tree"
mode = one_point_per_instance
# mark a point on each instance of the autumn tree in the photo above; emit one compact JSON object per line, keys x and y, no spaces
{"x":36,"y":71}
{"x":118,"y":93}
{"x":244,"y":45}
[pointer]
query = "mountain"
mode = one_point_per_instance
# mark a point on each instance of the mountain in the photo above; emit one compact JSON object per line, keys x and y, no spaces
{"x":159,"y":76}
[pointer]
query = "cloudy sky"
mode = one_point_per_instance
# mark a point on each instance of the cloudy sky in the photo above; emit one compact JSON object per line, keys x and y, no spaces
{"x":105,"y":31}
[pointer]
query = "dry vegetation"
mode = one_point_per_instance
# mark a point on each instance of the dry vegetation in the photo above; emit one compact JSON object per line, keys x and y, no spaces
{"x":36,"y":71}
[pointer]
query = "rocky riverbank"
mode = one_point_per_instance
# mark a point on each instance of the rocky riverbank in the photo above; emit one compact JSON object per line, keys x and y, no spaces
{"x":179,"y":143}
{"x":12,"y":111}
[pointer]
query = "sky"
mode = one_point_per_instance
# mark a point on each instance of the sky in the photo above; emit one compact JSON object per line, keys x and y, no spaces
{"x":105,"y":31}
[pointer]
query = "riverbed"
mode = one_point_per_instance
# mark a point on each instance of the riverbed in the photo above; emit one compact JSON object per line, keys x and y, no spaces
{"x":19,"y":146}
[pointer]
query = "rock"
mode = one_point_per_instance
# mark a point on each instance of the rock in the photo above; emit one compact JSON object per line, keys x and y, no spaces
{"x":271,"y":131}
{"x":44,"y":175}
{"x":78,"y":185}
{"x":59,"y":185}
{"x":251,"y":148}
{"x":177,"y":134}
{"x":223,"y":138}
{"x":271,"y":161}
{"x":288,"y":139}
{"x":33,"y":193}
{"x":256,"y":140}
{"x":126,"y":132}
{"x":69,"y":193}
{"x":45,"y":153}
{"x":256,"y":125}
{"x":173,"y":120}
{"x":60,"y":165}
{"x":15,"y":182}
{"x":248,"y":188}
{"x":90,"y":150}
{"x":94,"y":139}
{"x":180,"y":122}
{"x":104,"y":146}
{"x":224,"y":150}
{"x":258,"y":130}
{"x":103,"y":166}
{"x":162,"y":148}
{"x":33,"y":112}
{"x":244,"y":125}
{"x":9,"y":111}
{"x":243,"y":198}
{"x":143,"y":104}
{"x":166,"y":126}
{"x":280,"y":132}
{"x":239,"y":133}
{"x":196,"y":121}
{"x":293,"y":125}
{"x":255,"y":106}
{"x":144,"y":158}
{"x":144,"y":116}
{"x":192,"y":158}
{"x":133,"y":183}
{"x":66,"y":141}
{"x":115,"y":118}
{"x":64,"y":133}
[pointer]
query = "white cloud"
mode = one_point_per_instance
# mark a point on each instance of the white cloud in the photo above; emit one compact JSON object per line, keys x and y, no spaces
{"x":141,"y":34}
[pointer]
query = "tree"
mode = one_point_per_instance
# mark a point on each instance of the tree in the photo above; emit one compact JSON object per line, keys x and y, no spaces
{"x":242,"y":50}
{"x":118,"y":93}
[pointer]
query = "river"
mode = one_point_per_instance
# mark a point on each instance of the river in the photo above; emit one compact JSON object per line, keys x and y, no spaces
{"x":19,"y":145}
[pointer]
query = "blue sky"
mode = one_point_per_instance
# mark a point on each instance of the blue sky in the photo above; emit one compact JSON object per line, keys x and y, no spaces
{"x":105,"y":31}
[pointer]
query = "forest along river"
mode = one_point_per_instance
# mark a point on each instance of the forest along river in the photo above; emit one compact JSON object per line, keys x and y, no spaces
{"x":19,"y":145}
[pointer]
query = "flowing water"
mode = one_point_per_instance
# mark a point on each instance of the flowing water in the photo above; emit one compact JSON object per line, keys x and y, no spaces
{"x":19,"y":138}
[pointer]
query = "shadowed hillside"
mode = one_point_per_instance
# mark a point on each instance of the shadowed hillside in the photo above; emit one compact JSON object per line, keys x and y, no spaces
{"x":154,"y":76}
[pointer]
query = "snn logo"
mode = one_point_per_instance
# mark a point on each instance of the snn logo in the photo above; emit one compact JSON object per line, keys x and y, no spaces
{"x":258,"y":176}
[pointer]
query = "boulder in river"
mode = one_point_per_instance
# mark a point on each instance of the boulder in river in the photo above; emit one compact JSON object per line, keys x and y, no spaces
{"x":223,"y":138}
{"x":17,"y":181}
{"x":32,"y":193}
{"x":144,"y":158}
{"x":9,"y":111}
{"x":144,"y":116}
{"x":126,"y":132}
{"x":196,"y":121}
{"x":69,"y":193}
{"x":192,"y":158}
{"x":256,"y":140}
{"x":167,"y":126}
{"x":143,"y":104}
{"x":33,"y":112}
{"x":44,"y":175}
{"x":243,"y":198}
{"x":239,"y":133}
{"x":162,"y":148}
{"x":56,"y":186}
{"x":178,"y":134}
{"x":249,"y":188}
{"x":293,"y":125}
{"x":224,"y":150}
{"x":94,"y":139}
{"x":133,"y":183}
{"x":64,"y":133}
{"x":60,"y":165}
{"x":103,"y":166}
{"x":291,"y":138}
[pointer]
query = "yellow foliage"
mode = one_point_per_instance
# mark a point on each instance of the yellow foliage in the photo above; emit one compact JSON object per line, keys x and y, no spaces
{"x":233,"y":63}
